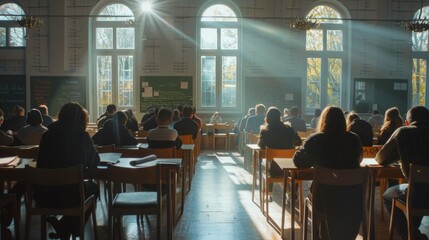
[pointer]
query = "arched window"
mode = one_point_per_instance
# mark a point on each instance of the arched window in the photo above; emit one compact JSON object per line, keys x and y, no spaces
{"x":11,"y":35}
{"x":420,"y":62}
{"x":114,"y":47}
{"x":325,"y":58}
{"x":218,"y":58}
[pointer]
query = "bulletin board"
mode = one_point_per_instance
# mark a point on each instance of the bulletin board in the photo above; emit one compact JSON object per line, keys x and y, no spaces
{"x":167,"y":91}
{"x":12,"y":92}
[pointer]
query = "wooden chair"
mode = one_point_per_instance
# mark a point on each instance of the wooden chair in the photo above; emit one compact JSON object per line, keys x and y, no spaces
{"x":220,"y":131}
{"x":52,"y":178}
{"x":417,"y":175}
{"x":186,"y":139}
{"x":327,"y":179}
{"x":270,"y":154}
{"x":143,"y":152}
{"x":10,"y":201}
{"x":141,"y":133}
{"x":137,"y":203}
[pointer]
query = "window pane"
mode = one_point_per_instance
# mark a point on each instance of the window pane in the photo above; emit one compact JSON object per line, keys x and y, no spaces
{"x":17,"y":37}
{"x":125,"y":78}
{"x":2,"y":37}
{"x":229,"y":38}
{"x":334,"y":81}
{"x":208,"y":81}
{"x":325,"y":14}
{"x":104,"y":38}
{"x":125,"y":38}
{"x":229,"y":81}
{"x":219,"y":13}
{"x":314,"y":40}
{"x":8,"y":9}
{"x":114,"y":10}
{"x":335,"y":40}
{"x":208,"y":38}
{"x":420,"y":41}
{"x":313,"y":82}
{"x":419,"y":81}
{"x":104,"y":82}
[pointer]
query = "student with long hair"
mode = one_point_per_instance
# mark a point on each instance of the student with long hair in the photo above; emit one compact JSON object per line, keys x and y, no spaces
{"x":392,"y":121}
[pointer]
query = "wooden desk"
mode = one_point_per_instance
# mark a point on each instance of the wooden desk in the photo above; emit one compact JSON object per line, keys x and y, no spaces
{"x":187,"y":152}
{"x":256,"y":164}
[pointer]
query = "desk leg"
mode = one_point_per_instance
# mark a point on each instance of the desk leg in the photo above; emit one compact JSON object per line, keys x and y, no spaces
{"x":292,"y":207}
{"x":254,"y":176}
{"x":282,"y":227}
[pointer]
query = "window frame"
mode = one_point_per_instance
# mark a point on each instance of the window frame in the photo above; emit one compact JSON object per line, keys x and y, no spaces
{"x":8,"y":25}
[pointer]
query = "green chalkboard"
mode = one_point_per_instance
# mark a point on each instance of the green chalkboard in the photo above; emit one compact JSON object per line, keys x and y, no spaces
{"x":12,"y":92}
{"x":54,"y":92}
{"x":167,"y":91}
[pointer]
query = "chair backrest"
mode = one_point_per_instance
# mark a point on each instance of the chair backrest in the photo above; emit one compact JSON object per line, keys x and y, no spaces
{"x":418,"y":178}
{"x":141,"y":133}
{"x":350,"y":189}
{"x":306,"y":133}
{"x":370,"y":152}
{"x":143,"y":152}
{"x":31,"y":152}
{"x":186,"y":139}
{"x":221,"y":128}
{"x":271,"y":153}
{"x":105,"y":149}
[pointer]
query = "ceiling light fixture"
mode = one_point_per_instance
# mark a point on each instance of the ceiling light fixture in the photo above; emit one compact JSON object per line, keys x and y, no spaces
{"x":30,"y":22}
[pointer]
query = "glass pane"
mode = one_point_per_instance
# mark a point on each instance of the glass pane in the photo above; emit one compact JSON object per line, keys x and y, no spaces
{"x":104,"y":82}
{"x":325,"y":14}
{"x":229,"y":38}
{"x":313,"y":82}
{"x":420,"y":41}
{"x":2,"y":37}
{"x":419,"y":81}
{"x":208,"y":81}
{"x":10,"y":9}
{"x":229,"y":81}
{"x":125,"y":78}
{"x":208,"y":38}
{"x":335,"y":40}
{"x":125,"y":38}
{"x":104,"y":38}
{"x":219,"y":13}
{"x":314,"y":40}
{"x":334,"y":81}
{"x":109,"y":12}
{"x":17,"y":37}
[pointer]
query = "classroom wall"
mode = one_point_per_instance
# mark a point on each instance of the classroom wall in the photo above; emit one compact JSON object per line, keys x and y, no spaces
{"x":378,"y":50}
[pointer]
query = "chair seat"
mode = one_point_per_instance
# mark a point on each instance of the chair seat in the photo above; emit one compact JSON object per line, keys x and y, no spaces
{"x":135,"y":199}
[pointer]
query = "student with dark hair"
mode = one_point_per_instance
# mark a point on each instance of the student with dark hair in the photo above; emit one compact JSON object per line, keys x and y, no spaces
{"x":408,"y":144}
{"x":149,"y":119}
{"x":187,"y":126}
{"x":32,"y":133}
{"x":361,"y":127}
{"x":176,"y":117}
{"x":115,"y":132}
{"x":392,"y":121}
{"x":163,"y":136}
{"x":132,"y":123}
{"x":66,"y":144}
{"x":45,"y":115}
{"x":315,"y":119}
{"x":6,"y":137}
{"x":17,"y":121}
{"x":295,"y":121}
{"x":195,"y":118}
{"x":243,"y":121}
{"x":110,"y":110}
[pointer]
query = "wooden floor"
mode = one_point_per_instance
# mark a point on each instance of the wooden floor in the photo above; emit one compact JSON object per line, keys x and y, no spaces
{"x":219,"y":206}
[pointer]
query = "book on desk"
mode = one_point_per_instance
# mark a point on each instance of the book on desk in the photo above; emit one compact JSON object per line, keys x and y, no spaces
{"x":12,"y":161}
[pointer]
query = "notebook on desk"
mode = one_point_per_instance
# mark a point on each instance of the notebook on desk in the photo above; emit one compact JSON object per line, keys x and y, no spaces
{"x":12,"y":161}
{"x":109,"y":158}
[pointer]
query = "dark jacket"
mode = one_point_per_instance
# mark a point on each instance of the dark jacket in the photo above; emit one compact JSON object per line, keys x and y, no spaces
{"x":186,"y":126}
{"x":297,"y":123}
{"x":364,"y":130}
{"x":254,"y":123}
{"x":14,"y":123}
{"x":110,"y":134}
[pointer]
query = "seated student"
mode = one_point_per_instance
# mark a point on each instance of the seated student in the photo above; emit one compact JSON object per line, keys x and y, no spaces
{"x":254,"y":123}
{"x":277,"y":135}
{"x":176,"y":117}
{"x":196,"y":118}
{"x":376,"y":120}
{"x":66,"y":144}
{"x":32,"y":133}
{"x":163,"y":136}
{"x":110,"y":110}
{"x":216,"y":118}
{"x":285,"y":114}
{"x":115,"y":132}
{"x":392,"y":121}
{"x":45,"y":115}
{"x":17,"y":121}
{"x":315,"y":120}
{"x":295,"y":121}
{"x":149,"y":119}
{"x":361,"y":127}
{"x":132,"y":123}
{"x":187,"y":126}
{"x":6,"y":137}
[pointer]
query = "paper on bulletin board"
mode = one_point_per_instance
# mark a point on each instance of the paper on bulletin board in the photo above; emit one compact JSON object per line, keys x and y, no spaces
{"x":156,"y":94}
{"x":289,"y":97}
{"x":396,"y":86}
{"x":145,"y":84}
{"x":183,"y":85}
{"x":147,"y":92}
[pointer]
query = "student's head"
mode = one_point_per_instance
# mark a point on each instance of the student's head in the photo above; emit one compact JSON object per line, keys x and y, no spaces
{"x":129,"y":113}
{"x":19,"y":111}
{"x":74,"y":113}
{"x":216,"y":114}
{"x":351,"y":117}
{"x":110,"y":109}
{"x":176,"y":115}
{"x":332,"y":121}
{"x":187,"y":111}
{"x":391,"y":114}
{"x":34,"y":117}
{"x":119,"y":118}
{"x":294,"y":111}
{"x":273,"y":116}
{"x":260,"y":109}
{"x":1,"y":117}
{"x":286,"y":111}
{"x":164,"y":116}
{"x":43,"y":109}
{"x":317,"y":112}
{"x":417,"y":114}
{"x":251,"y":111}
